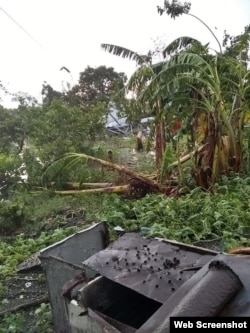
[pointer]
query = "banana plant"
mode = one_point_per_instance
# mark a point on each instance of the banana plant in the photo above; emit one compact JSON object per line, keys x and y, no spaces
{"x":224,"y":117}
{"x":219,"y":84}
{"x":239,"y":56}
{"x":146,"y":75}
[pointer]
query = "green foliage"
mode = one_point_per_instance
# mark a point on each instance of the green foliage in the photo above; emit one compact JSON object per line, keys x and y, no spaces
{"x":174,"y":8}
{"x":168,"y":158}
{"x":11,"y":130}
{"x":13,"y":323}
{"x":33,"y":136}
{"x":45,"y":211}
{"x":126,"y":53}
{"x":22,"y":247}
{"x":42,"y":215}
{"x":11,"y":172}
{"x":95,"y":85}
{"x":74,"y":167}
{"x":40,"y":321}
{"x":43,"y":316}
{"x":49,"y":94}
{"x":62,"y":129}
{"x":198,"y":216}
{"x":33,"y":166}
{"x":15,"y":124}
{"x":94,"y":120}
{"x":195,"y":217}
{"x":11,"y":215}
{"x":183,"y":43}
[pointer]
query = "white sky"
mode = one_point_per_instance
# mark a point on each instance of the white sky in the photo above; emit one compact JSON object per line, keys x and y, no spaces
{"x":71,"y":31}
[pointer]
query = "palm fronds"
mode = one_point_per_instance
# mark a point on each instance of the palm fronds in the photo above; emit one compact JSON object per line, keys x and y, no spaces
{"x":70,"y":161}
{"x":181,"y":44}
{"x":126,"y":53}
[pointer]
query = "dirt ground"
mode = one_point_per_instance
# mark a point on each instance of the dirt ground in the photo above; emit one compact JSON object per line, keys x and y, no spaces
{"x":25,"y":288}
{"x":25,"y":293}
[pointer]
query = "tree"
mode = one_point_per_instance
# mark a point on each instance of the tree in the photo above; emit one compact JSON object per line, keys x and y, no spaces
{"x":58,"y":129}
{"x":49,"y":94}
{"x":12,"y":131}
{"x":11,"y":173}
{"x":95,"y":85}
{"x":3,"y":90}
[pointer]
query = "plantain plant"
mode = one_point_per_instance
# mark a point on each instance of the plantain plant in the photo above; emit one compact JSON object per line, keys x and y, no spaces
{"x":212,"y":87}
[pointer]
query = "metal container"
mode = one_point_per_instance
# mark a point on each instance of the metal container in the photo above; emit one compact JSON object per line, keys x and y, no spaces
{"x":63,"y":261}
{"x":134,"y":284}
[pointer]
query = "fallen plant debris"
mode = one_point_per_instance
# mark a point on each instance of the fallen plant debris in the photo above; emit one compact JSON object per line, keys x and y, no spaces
{"x":138,"y":184}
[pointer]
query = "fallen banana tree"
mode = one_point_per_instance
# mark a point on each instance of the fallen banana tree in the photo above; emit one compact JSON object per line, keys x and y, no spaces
{"x":79,"y":186}
{"x":72,"y":159}
{"x":110,"y":189}
{"x":185,"y":158}
{"x":138,"y":184}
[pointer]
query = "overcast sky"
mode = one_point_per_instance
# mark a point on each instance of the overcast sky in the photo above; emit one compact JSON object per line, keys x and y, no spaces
{"x":69,"y":33}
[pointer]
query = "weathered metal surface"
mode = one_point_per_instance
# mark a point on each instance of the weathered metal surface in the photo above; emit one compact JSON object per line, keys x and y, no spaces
{"x":32,"y":263}
{"x":121,"y":304}
{"x":56,"y":276}
{"x":117,"y":324}
{"x":142,"y":282}
{"x":216,"y":288}
{"x":71,"y":287}
{"x":238,"y":306}
{"x":151,"y":267}
{"x":62,"y":262}
{"x":89,"y":322}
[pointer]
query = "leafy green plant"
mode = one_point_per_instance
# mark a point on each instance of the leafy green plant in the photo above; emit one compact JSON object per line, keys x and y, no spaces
{"x":13,"y":323}
{"x":43,"y":316}
{"x":40,"y":321}
{"x":11,"y":171}
{"x":195,"y":217}
{"x":22,"y":247}
{"x":11,"y":215}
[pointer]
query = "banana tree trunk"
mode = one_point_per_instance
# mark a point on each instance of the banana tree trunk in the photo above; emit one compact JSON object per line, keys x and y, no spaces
{"x":153,"y":185}
{"x":111,"y":189}
{"x":160,"y":142}
{"x":205,"y":166}
{"x":223,"y":146}
{"x":79,"y":186}
{"x":237,"y":125}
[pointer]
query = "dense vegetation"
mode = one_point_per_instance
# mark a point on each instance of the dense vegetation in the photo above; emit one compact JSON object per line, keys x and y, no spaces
{"x":204,"y":162}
